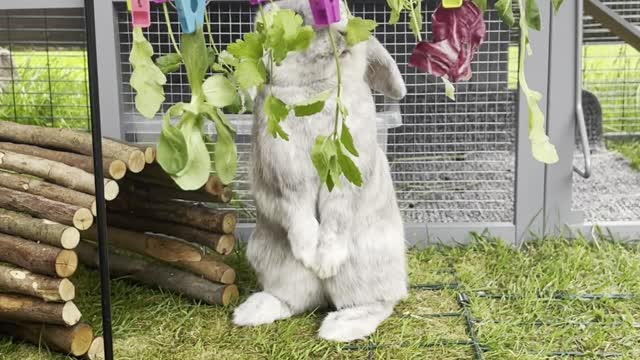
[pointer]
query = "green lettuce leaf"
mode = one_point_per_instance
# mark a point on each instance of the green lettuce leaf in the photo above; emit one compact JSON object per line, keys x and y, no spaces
{"x":146,"y":79}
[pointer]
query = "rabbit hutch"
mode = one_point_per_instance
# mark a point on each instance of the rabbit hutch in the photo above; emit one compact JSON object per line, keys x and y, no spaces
{"x":459,"y":166}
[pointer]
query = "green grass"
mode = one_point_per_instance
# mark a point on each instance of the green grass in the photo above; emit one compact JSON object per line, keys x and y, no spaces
{"x":50,"y":89}
{"x":524,"y":321}
{"x":628,"y":149}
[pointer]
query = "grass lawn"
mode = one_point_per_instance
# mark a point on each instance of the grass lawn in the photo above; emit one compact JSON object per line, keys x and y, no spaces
{"x":532,"y":304}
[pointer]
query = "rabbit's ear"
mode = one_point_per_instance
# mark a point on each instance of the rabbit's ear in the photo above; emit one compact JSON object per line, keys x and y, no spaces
{"x":383,"y":74}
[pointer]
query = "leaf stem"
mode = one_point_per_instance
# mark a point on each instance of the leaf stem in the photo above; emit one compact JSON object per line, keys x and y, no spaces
{"x":170,"y":30}
{"x":414,"y":17}
{"x":336,"y":56}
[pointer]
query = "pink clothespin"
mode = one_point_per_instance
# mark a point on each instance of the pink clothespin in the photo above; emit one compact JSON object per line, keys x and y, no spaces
{"x":141,"y":13}
{"x":325,"y":12}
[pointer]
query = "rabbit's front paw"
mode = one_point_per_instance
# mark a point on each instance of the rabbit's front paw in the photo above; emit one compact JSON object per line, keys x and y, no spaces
{"x":331,"y":254}
{"x":303,"y":238}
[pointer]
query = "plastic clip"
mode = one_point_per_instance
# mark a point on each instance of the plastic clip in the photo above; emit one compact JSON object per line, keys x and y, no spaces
{"x":190,"y":18}
{"x":325,"y":12}
{"x":140,"y":13}
{"x":451,"y":4}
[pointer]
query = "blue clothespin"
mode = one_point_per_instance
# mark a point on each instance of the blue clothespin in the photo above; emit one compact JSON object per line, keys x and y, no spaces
{"x":190,"y":18}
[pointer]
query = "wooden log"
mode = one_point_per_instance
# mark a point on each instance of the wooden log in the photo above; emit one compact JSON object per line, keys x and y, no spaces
{"x":155,"y":246}
{"x":222,"y":244}
{"x":44,"y":208}
{"x":189,"y":214}
{"x":69,"y":140}
{"x":172,"y":251}
{"x":38,"y":258}
{"x":45,"y":231}
{"x":17,"y":308}
{"x":75,"y":340}
{"x":135,"y":185}
{"x":113,"y":168}
{"x":153,"y":174}
{"x":20,"y":281}
{"x":57,"y":173}
{"x":162,"y":276}
{"x":96,"y":350}
{"x":47,"y":190}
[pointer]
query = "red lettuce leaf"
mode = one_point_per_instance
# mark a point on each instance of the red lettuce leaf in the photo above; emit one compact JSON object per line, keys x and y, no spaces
{"x":457,"y":35}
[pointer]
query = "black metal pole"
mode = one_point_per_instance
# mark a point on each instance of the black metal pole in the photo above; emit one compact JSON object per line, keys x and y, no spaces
{"x":96,"y":132}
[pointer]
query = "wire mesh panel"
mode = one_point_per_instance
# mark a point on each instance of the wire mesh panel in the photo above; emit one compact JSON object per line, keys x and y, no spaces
{"x":611,"y":70}
{"x":43,"y":67}
{"x":451,"y":161}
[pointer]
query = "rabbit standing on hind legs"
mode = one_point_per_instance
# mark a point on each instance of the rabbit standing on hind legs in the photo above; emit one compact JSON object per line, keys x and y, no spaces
{"x":313,"y":248}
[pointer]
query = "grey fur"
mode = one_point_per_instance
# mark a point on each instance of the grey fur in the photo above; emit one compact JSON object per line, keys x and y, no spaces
{"x":311,"y":247}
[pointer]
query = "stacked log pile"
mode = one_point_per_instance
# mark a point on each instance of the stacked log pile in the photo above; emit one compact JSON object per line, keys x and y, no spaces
{"x":159,"y":235}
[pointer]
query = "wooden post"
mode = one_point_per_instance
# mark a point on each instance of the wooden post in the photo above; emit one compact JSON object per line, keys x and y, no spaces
{"x":201,"y":217}
{"x":70,"y":140}
{"x":165,"y":277}
{"x":45,"y":231}
{"x":38,"y":258}
{"x":114,"y":169}
{"x":55,"y":172}
{"x":44,"y":208}
{"x":75,"y":340}
{"x":222,"y":244}
{"x":20,"y":281}
{"x":15,"y":308}
{"x":47,"y":190}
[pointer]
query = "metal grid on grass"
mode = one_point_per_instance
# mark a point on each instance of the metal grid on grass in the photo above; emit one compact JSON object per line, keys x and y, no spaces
{"x":451,"y":161}
{"x":43,"y":67}
{"x":474,"y":342}
{"x":611,"y":71}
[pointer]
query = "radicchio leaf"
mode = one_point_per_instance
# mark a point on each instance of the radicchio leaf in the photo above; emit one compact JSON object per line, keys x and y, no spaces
{"x":457,"y":35}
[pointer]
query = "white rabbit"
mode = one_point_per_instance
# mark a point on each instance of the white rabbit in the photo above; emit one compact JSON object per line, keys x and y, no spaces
{"x":313,"y":248}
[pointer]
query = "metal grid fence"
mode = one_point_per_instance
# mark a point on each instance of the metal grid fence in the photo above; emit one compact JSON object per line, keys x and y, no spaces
{"x":612,"y":71}
{"x":43,"y":67}
{"x":451,"y":161}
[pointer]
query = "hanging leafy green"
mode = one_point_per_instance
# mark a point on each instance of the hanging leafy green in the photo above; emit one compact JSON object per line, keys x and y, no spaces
{"x":146,"y":79}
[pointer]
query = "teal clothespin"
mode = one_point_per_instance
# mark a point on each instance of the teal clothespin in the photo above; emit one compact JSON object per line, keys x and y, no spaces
{"x":191,"y":14}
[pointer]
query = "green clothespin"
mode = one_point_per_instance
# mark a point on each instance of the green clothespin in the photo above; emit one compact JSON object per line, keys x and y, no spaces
{"x":451,"y":4}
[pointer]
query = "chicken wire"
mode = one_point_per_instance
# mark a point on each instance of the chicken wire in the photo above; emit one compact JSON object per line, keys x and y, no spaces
{"x":451,"y":161}
{"x":43,"y":67}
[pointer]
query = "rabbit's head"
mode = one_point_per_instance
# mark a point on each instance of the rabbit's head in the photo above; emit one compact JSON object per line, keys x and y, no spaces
{"x":368,"y":60}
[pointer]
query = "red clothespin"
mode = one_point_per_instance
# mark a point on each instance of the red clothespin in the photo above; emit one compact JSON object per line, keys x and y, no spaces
{"x":140,"y":13}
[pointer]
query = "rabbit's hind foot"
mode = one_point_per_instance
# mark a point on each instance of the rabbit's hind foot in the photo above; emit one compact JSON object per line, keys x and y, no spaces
{"x":260,"y":309}
{"x":354,"y":323}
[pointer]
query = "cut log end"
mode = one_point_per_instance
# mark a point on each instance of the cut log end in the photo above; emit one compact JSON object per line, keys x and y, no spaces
{"x":230,"y":295}
{"x":70,"y":238}
{"x":228,"y":277}
{"x":94,"y":208}
{"x":70,"y":314}
{"x":150,"y":155}
{"x":226,"y":195}
{"x":66,"y":263}
{"x":96,"y":350}
{"x":229,"y":223}
{"x":226,"y":244}
{"x":81,"y":339}
{"x":117,"y":169}
{"x":136,"y":162}
{"x":83,"y":219}
{"x":66,"y":290}
{"x":111,"y":190}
